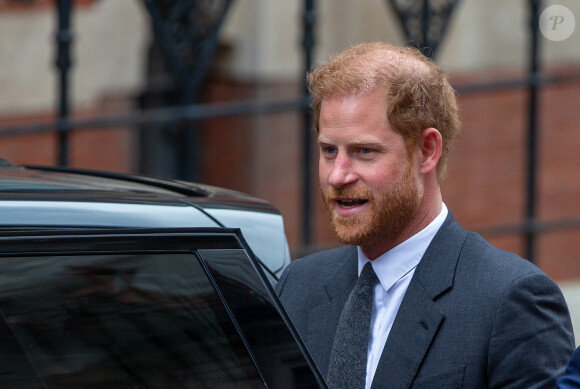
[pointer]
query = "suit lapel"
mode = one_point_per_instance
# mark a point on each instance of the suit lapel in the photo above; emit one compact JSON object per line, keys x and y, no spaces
{"x":418,"y":319}
{"x":413,"y":331}
{"x":323,"y":319}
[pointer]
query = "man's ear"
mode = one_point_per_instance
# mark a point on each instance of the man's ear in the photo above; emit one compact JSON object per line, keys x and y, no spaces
{"x":429,"y":149}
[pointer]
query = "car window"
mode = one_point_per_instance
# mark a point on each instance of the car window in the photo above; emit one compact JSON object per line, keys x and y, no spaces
{"x":142,"y":310}
{"x":129,"y":321}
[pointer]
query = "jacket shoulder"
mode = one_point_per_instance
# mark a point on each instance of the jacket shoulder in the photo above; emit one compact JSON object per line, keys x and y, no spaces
{"x":480,"y":253}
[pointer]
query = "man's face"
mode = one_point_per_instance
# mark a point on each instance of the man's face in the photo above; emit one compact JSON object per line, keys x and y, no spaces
{"x":369,"y":183}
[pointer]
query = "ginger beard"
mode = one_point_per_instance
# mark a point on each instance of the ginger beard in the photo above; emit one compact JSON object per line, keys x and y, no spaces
{"x":390,"y":211}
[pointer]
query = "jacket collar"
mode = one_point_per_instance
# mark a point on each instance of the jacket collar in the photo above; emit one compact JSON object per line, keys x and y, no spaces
{"x":437,"y":267}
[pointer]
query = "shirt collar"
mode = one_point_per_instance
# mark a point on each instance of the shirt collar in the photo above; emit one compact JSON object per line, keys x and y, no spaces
{"x":393,"y":265}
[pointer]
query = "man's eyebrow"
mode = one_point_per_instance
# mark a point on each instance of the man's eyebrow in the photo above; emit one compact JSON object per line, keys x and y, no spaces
{"x":321,"y":139}
{"x":365,"y":141}
{"x":356,"y":141}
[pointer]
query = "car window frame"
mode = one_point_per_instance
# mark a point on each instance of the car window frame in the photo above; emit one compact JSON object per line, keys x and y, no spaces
{"x":191,"y":241}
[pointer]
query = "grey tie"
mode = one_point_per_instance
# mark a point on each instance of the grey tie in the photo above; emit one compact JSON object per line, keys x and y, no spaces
{"x":348,"y":359}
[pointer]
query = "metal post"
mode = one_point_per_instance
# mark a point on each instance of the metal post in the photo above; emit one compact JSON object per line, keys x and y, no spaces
{"x":309,"y":19}
{"x":63,"y":63}
{"x":531,"y":185}
{"x":426,"y":47}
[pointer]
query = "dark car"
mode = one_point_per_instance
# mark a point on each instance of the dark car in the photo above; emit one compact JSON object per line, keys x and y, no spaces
{"x":120,"y":281}
{"x":48,"y":198}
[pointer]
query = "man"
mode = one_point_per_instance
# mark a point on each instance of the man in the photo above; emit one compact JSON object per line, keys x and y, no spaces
{"x":448,"y":309}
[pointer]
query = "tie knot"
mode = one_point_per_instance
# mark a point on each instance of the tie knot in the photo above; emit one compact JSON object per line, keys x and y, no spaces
{"x":368,"y":276}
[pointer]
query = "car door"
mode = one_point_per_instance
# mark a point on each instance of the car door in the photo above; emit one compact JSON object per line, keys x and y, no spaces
{"x":142,"y":308}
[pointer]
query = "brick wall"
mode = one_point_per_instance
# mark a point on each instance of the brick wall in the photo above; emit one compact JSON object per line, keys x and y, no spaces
{"x":111,"y":149}
{"x":486,"y":185}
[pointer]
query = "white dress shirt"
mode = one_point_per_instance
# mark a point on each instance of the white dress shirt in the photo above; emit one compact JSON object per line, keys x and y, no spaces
{"x":395,"y":268}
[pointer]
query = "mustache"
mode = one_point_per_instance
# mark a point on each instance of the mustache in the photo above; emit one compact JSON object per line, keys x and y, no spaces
{"x":351,"y":193}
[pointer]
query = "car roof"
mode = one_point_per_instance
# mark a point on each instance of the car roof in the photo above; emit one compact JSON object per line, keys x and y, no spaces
{"x":117,"y":197}
{"x":33,"y":197}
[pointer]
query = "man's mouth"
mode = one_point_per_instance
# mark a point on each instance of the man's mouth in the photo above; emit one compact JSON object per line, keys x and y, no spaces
{"x":350,"y":203}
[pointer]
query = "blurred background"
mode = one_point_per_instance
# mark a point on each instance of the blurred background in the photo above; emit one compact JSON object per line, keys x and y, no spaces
{"x":213,"y":91}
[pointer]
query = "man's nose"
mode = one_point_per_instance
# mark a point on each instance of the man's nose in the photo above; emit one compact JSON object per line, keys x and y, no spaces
{"x":342,"y":172}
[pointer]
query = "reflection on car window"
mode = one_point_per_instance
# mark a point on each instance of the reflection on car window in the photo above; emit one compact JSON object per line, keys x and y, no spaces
{"x":125,"y":321}
{"x":265,"y":332}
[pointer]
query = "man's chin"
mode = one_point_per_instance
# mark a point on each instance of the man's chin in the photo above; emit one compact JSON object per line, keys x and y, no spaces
{"x":349,"y":232}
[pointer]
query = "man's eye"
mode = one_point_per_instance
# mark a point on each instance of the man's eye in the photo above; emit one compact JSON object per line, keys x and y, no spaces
{"x":366,"y":150}
{"x":329,"y":150}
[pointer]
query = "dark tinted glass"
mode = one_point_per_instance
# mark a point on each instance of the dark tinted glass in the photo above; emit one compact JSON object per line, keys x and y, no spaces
{"x":252,"y":303}
{"x":116,"y":321}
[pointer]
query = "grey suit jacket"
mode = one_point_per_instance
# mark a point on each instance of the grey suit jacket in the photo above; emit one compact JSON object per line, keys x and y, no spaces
{"x":473,"y":316}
